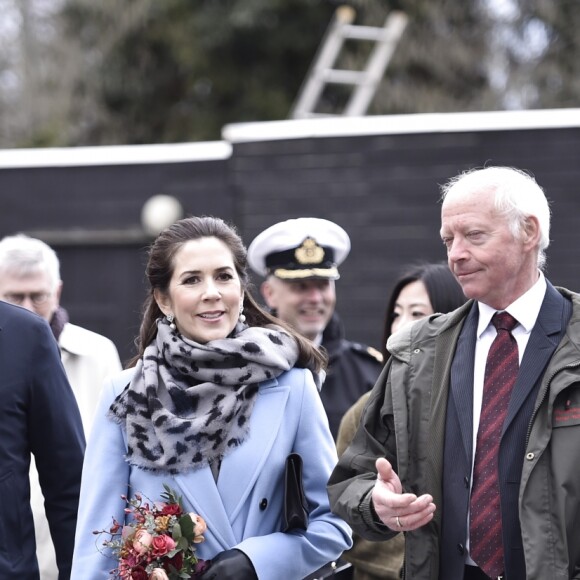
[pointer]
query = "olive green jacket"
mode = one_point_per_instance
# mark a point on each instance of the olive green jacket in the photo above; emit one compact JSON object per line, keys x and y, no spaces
{"x":370,"y":560}
{"x":404,"y":421}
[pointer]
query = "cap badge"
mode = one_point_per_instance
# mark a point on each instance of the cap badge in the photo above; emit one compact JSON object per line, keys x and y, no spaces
{"x":309,"y":252}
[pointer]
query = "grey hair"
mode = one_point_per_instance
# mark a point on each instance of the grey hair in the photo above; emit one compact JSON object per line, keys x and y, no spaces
{"x":517,"y":197}
{"x":23,"y":256}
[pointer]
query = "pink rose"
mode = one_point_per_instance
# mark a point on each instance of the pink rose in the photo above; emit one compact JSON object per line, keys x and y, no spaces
{"x":199,"y":527}
{"x":142,"y":541}
{"x":161,"y":545}
{"x":158,"y":574}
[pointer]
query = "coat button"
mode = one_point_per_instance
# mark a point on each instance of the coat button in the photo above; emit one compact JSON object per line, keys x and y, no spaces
{"x":530,"y":456}
{"x":263,"y":504}
{"x":460,"y":549}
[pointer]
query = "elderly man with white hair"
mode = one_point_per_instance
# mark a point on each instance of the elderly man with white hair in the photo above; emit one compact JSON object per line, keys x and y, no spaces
{"x":470,"y":441}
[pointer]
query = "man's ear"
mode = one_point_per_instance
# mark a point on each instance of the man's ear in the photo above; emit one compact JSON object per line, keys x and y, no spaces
{"x":532,"y":231}
{"x":268,"y":293}
{"x":58,"y":293}
{"x":163,"y":301}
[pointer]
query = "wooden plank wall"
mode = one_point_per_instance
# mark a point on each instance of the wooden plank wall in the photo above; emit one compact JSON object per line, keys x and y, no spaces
{"x":382,"y":188}
{"x":103,"y":269}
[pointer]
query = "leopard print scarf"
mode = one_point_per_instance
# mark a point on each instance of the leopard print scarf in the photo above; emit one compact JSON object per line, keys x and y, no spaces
{"x":189,"y":403}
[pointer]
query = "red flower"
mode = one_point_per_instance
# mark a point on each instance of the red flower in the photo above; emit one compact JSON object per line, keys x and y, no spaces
{"x":171,"y":509}
{"x":115,"y":527}
{"x":139,"y":573}
{"x":176,"y":562}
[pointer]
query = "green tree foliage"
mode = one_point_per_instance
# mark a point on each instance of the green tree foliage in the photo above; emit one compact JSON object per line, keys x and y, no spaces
{"x":543,"y":54}
{"x":439,"y":63}
{"x":189,"y":67}
{"x":154,"y":71}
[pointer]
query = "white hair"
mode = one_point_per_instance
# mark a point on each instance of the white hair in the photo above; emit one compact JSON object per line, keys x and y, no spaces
{"x":517,"y":197}
{"x":23,"y":256}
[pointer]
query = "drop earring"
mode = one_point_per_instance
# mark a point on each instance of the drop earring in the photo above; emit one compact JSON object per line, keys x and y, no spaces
{"x":170,"y":319}
{"x":242,"y":316}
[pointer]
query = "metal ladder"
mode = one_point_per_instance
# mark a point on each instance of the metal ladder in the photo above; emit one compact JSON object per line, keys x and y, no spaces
{"x":365,"y":81}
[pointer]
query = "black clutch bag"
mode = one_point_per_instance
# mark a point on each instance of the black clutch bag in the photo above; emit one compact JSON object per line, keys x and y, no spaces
{"x":295,"y":504}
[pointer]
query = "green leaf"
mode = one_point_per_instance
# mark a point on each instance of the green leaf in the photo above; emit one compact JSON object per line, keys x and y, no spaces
{"x":186,"y":525}
{"x":171,"y":496}
{"x":183,"y":544}
{"x":176,"y":532}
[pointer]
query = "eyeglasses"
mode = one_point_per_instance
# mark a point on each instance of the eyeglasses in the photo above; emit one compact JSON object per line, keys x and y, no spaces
{"x":37,"y":298}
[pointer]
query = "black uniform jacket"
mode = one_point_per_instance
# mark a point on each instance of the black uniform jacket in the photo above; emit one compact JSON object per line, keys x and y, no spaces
{"x":353,"y":369}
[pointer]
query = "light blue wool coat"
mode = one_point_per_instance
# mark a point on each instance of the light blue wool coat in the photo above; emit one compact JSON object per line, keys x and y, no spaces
{"x":243,"y":509}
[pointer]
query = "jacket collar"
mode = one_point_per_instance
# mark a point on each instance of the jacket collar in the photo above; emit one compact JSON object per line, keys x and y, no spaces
{"x":71,"y":341}
{"x":399,"y":343}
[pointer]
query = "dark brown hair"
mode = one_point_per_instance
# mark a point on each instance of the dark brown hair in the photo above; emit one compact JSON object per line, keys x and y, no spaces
{"x":159,"y":271}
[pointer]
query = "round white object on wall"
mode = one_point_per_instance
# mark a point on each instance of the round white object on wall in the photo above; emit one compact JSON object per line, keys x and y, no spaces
{"x":159,"y":212}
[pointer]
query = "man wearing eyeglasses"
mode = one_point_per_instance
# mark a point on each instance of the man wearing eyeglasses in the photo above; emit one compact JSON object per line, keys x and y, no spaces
{"x":30,"y":278}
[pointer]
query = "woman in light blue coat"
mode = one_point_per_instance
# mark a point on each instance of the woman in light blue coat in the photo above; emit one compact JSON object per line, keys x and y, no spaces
{"x":220,"y":394}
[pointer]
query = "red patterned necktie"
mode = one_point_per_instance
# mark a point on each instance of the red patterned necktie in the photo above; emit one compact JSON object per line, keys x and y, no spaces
{"x":501,"y":371}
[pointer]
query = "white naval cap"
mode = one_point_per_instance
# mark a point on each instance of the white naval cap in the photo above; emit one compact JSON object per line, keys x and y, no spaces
{"x":301,"y":248}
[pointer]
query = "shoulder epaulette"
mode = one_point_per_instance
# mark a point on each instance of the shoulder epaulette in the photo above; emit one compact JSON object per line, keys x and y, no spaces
{"x":375,"y":354}
{"x":368,"y":351}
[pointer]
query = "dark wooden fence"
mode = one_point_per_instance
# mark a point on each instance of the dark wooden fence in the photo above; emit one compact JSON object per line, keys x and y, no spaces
{"x":378,"y":177}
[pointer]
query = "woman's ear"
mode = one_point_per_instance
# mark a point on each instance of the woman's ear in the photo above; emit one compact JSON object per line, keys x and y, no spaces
{"x":163,"y":301}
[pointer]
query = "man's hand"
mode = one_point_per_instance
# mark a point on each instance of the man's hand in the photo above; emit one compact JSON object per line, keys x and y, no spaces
{"x":399,"y":511}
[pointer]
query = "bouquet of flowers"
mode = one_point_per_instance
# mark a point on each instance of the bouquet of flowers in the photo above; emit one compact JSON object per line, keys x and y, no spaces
{"x":158,"y":540}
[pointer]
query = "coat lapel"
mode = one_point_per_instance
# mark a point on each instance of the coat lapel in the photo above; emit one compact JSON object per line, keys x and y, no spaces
{"x":462,"y":379}
{"x":267,"y":417}
{"x":543,"y":341}
{"x":200,"y":489}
